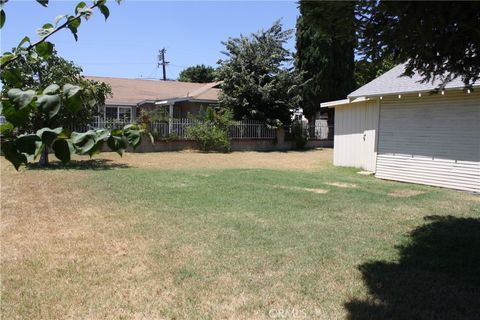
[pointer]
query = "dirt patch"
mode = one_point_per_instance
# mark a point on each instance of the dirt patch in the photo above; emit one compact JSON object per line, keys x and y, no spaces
{"x":342,"y":184}
{"x":405,"y":193}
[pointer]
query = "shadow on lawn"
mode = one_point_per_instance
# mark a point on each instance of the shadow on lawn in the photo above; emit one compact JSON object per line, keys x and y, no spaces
{"x":91,"y":164}
{"x":437,"y":276}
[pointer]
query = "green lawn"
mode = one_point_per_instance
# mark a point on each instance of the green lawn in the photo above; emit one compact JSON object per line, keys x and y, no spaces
{"x":254,"y":243}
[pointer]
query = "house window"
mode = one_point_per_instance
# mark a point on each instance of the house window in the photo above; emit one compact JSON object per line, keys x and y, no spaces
{"x":118,"y":113}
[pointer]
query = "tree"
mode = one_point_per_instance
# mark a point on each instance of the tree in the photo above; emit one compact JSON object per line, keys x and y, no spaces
{"x":37,"y":73}
{"x":199,"y":73}
{"x":258,"y":82}
{"x":436,"y":39}
{"x":366,"y":71}
{"x":18,"y":104}
{"x":325,"y":42}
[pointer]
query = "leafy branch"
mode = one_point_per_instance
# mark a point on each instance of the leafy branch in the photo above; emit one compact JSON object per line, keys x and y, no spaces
{"x":19,"y":144}
{"x":44,"y":47}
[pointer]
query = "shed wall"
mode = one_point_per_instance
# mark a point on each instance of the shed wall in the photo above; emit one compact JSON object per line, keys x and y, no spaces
{"x":432,"y":140}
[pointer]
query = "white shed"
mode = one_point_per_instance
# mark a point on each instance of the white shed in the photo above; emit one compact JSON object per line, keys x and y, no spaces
{"x":397,"y":128}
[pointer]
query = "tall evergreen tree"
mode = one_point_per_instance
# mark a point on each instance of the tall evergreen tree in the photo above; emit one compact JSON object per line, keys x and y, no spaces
{"x":436,"y":39}
{"x":325,"y":51}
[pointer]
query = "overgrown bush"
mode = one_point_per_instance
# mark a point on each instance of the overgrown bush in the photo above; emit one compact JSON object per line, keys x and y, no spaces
{"x":211,"y":132}
{"x":299,"y":134}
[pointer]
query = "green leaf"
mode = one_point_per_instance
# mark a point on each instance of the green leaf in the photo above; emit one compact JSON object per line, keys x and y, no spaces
{"x":44,"y":49}
{"x":11,"y":153}
{"x":48,"y":135}
{"x":117,"y":144}
{"x":17,"y":117}
{"x":102,"y":134}
{"x":3,"y":18}
{"x":97,"y":148}
{"x":74,"y":22}
{"x":63,"y":150}
{"x":59,"y":18}
{"x":45,"y":30}
{"x":70,"y":90}
{"x":72,"y":95}
{"x":83,"y":142}
{"x":49,"y":104}
{"x":43,"y":2}
{"x":24,"y":40}
{"x":133,"y":137}
{"x":51,"y":89}
{"x":80,"y":6}
{"x":27,"y":144}
{"x":6,"y":128}
{"x":21,"y":98}
{"x":5,"y":57}
{"x":104,"y":10}
{"x":86,"y":12}
{"x":73,"y":26}
{"x":12,"y":76}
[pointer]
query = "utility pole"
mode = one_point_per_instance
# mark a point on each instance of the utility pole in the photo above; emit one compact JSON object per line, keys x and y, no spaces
{"x":161,"y":61}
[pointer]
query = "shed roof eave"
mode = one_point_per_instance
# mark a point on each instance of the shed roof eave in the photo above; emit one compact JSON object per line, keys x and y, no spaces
{"x":336,"y":103}
{"x":404,"y":92}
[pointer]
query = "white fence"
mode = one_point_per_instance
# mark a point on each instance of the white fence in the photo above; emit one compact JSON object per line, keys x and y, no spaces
{"x":177,"y":128}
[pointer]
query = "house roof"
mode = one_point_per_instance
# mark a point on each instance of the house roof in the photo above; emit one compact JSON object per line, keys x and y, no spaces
{"x":133,"y":91}
{"x":391,"y":82}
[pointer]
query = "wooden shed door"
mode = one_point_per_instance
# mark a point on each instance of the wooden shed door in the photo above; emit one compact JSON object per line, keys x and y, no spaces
{"x":355,"y":135}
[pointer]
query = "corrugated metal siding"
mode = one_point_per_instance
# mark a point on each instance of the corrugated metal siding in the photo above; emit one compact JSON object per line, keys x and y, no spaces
{"x":432,"y":140}
{"x":355,"y":135}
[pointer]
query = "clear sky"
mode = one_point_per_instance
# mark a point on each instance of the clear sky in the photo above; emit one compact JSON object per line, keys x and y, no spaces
{"x":127,"y":44}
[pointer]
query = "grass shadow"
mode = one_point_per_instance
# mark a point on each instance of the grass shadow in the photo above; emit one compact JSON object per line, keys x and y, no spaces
{"x":91,"y":164}
{"x":436,"y":277}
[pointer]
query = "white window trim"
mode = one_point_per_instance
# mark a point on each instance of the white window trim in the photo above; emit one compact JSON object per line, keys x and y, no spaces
{"x":130,"y":109}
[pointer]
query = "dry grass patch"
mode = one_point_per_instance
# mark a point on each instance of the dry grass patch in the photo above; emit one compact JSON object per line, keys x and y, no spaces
{"x":342,"y":184}
{"x":292,"y":160}
{"x":314,"y":190}
{"x":64,"y":256}
{"x":405,"y":193}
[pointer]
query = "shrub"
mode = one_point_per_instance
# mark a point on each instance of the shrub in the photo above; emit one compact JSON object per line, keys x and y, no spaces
{"x":211,"y":132}
{"x":299,"y":133}
{"x":209,"y":137}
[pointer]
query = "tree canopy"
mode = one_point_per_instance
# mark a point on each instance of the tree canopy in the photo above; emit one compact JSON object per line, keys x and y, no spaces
{"x":258,"y":79}
{"x":325,"y":42}
{"x":367,"y":70}
{"x":37,"y":73}
{"x":199,"y":73}
{"x":435,"y":38}
{"x":20,"y":146}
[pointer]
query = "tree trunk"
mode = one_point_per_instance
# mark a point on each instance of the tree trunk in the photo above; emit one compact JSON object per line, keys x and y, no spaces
{"x":44,"y":158}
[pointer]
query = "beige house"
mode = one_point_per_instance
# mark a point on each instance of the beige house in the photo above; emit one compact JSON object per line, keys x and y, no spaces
{"x":399,"y":129}
{"x":177,"y":98}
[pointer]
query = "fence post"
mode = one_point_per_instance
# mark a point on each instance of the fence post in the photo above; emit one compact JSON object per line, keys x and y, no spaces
{"x":280,"y":135}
